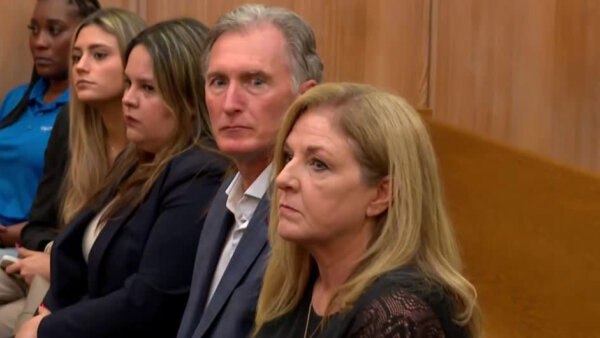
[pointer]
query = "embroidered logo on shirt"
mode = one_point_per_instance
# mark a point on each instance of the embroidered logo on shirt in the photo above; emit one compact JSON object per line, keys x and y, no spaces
{"x":46,"y":128}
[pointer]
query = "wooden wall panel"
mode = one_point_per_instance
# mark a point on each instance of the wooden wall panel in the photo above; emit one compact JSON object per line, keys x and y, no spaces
{"x":528,"y":230}
{"x":15,"y":57}
{"x":397,"y":48}
{"x":131,"y":5}
{"x":206,"y":11}
{"x":526,"y":72}
{"x":381,"y":42}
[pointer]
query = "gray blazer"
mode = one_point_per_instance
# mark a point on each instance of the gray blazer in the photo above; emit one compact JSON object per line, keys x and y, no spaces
{"x":231,"y":310}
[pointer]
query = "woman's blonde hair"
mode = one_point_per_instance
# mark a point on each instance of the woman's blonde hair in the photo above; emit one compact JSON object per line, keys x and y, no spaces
{"x":89,"y":163}
{"x":174,"y":47}
{"x":389,"y":140}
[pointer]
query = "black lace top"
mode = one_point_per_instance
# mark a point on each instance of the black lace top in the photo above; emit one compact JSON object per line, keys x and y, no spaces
{"x":399,"y":304}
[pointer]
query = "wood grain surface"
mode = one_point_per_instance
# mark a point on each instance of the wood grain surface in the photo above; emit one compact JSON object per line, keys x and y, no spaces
{"x":528,"y":228}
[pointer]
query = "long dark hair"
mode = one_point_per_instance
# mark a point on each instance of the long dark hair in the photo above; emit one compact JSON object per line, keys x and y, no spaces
{"x":84,"y":8}
{"x":173,"y":46}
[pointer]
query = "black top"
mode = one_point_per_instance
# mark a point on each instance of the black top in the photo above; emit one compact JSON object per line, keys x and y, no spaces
{"x":400,"y":303}
{"x":44,"y":214}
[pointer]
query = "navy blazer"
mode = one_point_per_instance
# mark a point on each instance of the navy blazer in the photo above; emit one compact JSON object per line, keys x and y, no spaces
{"x":230,"y":313}
{"x":137,"y":278}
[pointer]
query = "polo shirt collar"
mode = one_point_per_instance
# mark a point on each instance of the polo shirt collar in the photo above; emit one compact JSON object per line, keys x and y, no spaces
{"x":38,"y":91}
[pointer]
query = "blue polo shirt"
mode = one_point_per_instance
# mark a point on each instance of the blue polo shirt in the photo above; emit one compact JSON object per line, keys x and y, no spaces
{"x":22,"y":147}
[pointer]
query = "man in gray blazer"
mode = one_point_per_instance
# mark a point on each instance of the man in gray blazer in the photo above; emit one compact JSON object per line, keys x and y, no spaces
{"x":258,"y":59}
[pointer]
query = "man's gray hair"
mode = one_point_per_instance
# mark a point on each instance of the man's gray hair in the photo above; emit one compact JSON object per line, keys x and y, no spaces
{"x":300,"y":38}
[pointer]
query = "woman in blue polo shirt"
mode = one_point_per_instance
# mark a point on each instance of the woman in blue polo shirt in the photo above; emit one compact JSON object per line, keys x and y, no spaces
{"x":28,"y":112}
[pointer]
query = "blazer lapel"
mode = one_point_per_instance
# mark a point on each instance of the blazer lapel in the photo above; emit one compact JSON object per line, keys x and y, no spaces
{"x":71,"y":249}
{"x":210,"y":248}
{"x":77,"y":226}
{"x":252,"y":243}
{"x":217,"y":225}
{"x":99,"y":247}
{"x":67,"y":252}
{"x":74,"y":229}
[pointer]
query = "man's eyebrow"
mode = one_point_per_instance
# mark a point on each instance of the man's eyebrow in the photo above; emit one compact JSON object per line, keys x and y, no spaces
{"x":214,"y":73}
{"x":255,"y":73}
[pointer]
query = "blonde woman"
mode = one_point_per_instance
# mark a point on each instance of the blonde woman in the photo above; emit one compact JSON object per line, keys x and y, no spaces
{"x":122,"y":266}
{"x":96,"y":130}
{"x":362,"y":245}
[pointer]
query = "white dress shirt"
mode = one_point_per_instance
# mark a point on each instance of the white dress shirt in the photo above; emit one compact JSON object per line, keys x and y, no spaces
{"x":242,"y":205}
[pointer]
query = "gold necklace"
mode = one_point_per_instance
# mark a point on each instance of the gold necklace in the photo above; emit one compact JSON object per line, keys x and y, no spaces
{"x":308,"y":321}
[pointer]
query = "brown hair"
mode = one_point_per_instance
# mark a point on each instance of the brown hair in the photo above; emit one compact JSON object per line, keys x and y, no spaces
{"x":174,"y":47}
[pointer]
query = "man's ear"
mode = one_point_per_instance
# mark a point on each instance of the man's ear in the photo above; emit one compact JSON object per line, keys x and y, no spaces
{"x":381,"y":199}
{"x":306,"y":85}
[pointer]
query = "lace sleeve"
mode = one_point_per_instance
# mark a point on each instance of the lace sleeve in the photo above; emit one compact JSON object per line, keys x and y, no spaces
{"x":397,"y":314}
